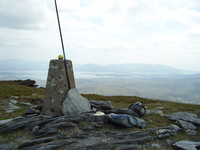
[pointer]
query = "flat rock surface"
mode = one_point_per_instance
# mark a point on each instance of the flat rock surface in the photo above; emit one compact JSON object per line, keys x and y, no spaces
{"x":187,"y":145}
{"x":75,"y":104}
{"x":84,"y":131}
{"x":185,"y":116}
{"x":186,"y":125}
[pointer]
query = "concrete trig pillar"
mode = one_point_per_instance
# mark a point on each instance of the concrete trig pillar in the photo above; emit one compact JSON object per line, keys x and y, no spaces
{"x":57,"y":86}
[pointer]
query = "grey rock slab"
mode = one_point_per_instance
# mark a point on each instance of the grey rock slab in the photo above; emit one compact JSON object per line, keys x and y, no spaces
{"x":103,"y":105}
{"x":34,"y":142}
{"x":24,"y":103}
{"x":75,"y":104}
{"x":166,"y":132}
{"x":11,"y":108}
{"x":189,"y":117}
{"x":43,"y":132}
{"x":191,"y":132}
{"x":6,"y":147}
{"x":130,"y":147}
{"x":187,"y":145}
{"x":6,"y":121}
{"x":51,"y":145}
{"x":97,"y":124}
{"x":39,"y":122}
{"x":14,"y":97}
{"x":33,"y":110}
{"x":170,"y":142}
{"x":13,"y":101}
{"x":120,"y":111}
{"x":99,"y":146}
{"x":10,"y":126}
{"x":154,"y":145}
{"x":185,"y":125}
{"x":139,"y":140}
{"x":62,"y":124}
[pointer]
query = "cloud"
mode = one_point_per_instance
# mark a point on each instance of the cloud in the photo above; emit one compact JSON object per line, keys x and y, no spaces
{"x":102,"y":31}
{"x":27,"y":14}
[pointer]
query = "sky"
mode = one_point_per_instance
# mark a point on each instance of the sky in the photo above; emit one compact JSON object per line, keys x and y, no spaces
{"x":103,"y":31}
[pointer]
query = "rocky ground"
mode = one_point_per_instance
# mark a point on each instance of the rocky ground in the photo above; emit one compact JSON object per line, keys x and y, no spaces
{"x":35,"y":131}
{"x":23,"y":126}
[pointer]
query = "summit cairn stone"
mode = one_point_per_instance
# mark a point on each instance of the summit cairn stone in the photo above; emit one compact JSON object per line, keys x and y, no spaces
{"x":75,"y":104}
{"x":57,"y":87}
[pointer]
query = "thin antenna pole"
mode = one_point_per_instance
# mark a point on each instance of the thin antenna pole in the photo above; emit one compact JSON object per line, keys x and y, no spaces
{"x":63,"y":49}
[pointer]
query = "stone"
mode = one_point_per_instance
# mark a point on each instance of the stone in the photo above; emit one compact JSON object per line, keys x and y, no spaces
{"x":187,"y":145}
{"x":13,"y":101}
{"x":170,"y":142}
{"x":6,"y":121}
{"x":14,"y":97}
{"x":130,"y":147}
{"x":185,"y":125}
{"x":160,"y":112}
{"x":79,"y":132}
{"x":38,"y":122}
{"x":24,"y":103}
{"x":101,"y":105}
{"x":75,"y":104}
{"x":50,"y":145}
{"x":11,"y":107}
{"x":97,"y":124}
{"x":185,"y":116}
{"x":62,"y":124}
{"x":139,"y":137}
{"x":34,"y":142}
{"x":99,"y":146}
{"x":159,"y":108}
{"x":43,"y":132}
{"x":75,"y":119}
{"x":166,"y":132}
{"x":6,"y":147}
{"x":120,"y":111}
{"x":7,"y":127}
{"x":154,"y":145}
{"x":57,"y":86}
{"x":32,"y":110}
{"x":191,"y":132}
{"x":28,"y":82}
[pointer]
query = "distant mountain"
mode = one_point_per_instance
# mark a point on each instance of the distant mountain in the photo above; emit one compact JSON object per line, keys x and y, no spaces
{"x":26,"y":65}
{"x":22,"y":65}
{"x":130,"y":68}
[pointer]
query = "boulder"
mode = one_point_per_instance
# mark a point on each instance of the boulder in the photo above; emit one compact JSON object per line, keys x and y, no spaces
{"x":28,"y":82}
{"x":185,"y":125}
{"x":75,"y":104}
{"x":185,"y":116}
{"x":187,"y":145}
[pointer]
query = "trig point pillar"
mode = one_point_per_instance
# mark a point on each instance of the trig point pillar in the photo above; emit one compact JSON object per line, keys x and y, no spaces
{"x":57,"y":86}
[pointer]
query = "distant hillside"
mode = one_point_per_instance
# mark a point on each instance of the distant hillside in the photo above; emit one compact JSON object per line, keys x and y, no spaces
{"x":129,"y":68}
{"x":22,"y":65}
{"x":25,"y":65}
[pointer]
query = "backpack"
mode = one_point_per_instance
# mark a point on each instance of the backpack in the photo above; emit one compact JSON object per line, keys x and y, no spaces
{"x":138,"y":108}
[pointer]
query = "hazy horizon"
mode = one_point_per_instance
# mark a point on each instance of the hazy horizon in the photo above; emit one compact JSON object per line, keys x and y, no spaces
{"x":46,"y":64}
